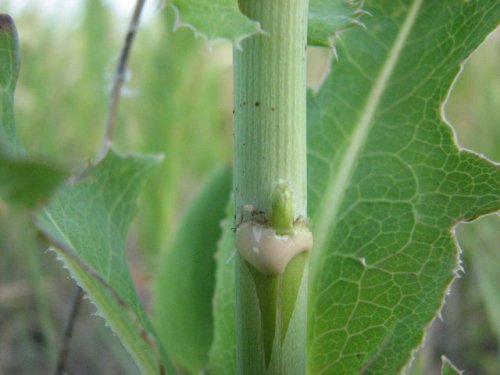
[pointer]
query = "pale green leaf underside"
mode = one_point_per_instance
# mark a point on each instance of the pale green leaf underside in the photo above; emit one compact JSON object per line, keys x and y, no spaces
{"x":87,"y":220}
{"x":184,"y":287}
{"x":387,"y":182}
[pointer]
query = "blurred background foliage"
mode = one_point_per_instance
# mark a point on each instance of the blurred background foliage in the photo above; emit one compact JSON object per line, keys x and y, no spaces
{"x":178,"y":101}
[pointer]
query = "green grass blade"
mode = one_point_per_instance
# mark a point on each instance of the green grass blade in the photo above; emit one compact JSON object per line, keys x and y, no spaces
{"x":182,"y":89}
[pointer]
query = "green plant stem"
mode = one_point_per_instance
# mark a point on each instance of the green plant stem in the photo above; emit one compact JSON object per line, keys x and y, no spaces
{"x":270,"y":154}
{"x":270,"y":105}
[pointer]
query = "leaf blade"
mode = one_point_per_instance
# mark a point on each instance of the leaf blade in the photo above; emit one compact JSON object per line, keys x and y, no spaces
{"x":9,"y":69}
{"x":115,"y":311}
{"x":383,"y":254}
{"x":212,"y":20}
{"x":23,"y":181}
{"x":185,"y":283}
{"x":223,"y":350}
{"x":26,"y":182}
{"x":88,"y":220}
{"x":222,"y":19}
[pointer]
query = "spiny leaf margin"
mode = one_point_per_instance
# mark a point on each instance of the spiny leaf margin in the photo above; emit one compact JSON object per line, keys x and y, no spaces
{"x":329,"y":18}
{"x":214,"y":20}
{"x":87,"y":221}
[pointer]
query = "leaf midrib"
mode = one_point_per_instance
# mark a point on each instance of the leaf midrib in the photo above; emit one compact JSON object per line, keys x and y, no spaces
{"x":338,"y":182}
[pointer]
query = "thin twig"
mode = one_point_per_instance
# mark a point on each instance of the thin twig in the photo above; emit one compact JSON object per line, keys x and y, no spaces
{"x":70,"y":326}
{"x":119,"y":78}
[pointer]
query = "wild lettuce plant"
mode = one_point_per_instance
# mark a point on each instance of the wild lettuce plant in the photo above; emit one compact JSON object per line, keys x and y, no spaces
{"x":361,"y":181}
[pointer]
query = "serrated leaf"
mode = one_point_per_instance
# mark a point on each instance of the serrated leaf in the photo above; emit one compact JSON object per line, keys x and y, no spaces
{"x":222,"y":19}
{"x":23,"y":181}
{"x":447,"y":367}
{"x":186,"y":277}
{"x":328,"y":17}
{"x":87,"y":220}
{"x":215,"y":19}
{"x":388,"y":183}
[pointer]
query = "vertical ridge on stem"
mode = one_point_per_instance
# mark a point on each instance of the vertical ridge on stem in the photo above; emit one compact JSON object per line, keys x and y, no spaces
{"x":270,"y":105}
{"x":270,"y":183}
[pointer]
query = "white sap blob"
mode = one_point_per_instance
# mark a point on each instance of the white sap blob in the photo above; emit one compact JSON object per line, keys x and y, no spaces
{"x":267,"y":251}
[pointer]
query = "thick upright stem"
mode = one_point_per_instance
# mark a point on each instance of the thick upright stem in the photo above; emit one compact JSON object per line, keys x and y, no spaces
{"x":270,"y":105}
{"x":270,"y":186}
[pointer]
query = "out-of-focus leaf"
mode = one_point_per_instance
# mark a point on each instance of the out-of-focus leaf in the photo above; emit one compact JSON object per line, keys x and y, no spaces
{"x":27,"y":182}
{"x":186,"y":277}
{"x":328,"y":17}
{"x":9,"y":69}
{"x":387,"y":182}
{"x":223,"y":351}
{"x":23,"y":181}
{"x":447,"y":367}
{"x":87,"y":221}
{"x":170,"y":124}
